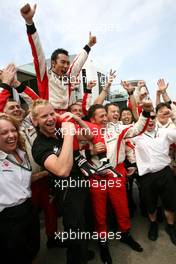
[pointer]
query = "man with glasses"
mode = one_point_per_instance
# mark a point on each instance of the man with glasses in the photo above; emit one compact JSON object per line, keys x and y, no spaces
{"x":155,"y":175}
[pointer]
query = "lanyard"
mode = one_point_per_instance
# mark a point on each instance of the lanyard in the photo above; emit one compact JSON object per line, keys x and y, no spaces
{"x":29,"y":168}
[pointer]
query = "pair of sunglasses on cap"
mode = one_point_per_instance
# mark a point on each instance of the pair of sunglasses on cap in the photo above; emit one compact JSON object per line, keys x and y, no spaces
{"x":152,"y":117}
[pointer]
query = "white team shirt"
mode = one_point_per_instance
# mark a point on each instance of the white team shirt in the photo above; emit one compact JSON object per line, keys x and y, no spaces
{"x":112,"y":135}
{"x":152,"y":149}
{"x":15,"y":181}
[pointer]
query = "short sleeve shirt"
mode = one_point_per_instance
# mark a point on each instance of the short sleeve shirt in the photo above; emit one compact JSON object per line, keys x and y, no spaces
{"x":44,"y":146}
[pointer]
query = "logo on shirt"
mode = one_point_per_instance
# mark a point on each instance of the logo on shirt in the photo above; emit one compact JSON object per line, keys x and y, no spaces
{"x":6,"y":166}
{"x":56,"y":150}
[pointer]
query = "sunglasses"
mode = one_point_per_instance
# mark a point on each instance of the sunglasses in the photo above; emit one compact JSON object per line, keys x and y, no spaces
{"x":152,"y":117}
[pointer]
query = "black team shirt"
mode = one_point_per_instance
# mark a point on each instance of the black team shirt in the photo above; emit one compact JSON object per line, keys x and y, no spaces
{"x":44,"y":146}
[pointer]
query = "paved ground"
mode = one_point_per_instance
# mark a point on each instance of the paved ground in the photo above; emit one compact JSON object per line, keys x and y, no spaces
{"x":161,"y":251}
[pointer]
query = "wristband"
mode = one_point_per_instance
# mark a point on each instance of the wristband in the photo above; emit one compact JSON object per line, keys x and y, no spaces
{"x":31,"y":29}
{"x":20,"y":88}
{"x":5,"y":86}
{"x":169,"y":102}
{"x":87,"y":49}
{"x":130,"y":93}
{"x":86,"y":90}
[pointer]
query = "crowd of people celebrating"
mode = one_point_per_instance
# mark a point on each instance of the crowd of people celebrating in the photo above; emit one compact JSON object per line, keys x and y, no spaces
{"x":59,"y":139}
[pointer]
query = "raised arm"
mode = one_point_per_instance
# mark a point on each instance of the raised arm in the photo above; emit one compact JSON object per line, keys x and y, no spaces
{"x":142,"y":123}
{"x":25,"y":92}
{"x":87,"y":97}
{"x":4,"y":95}
{"x":100,"y":99}
{"x":83,"y":131}
{"x":6,"y":76}
{"x":162,"y":89}
{"x":81,"y":58}
{"x":62,"y":165}
{"x":77,"y":64}
{"x":158,"y":97}
{"x":9,"y":80}
{"x":130,"y":90}
{"x":28,"y":13}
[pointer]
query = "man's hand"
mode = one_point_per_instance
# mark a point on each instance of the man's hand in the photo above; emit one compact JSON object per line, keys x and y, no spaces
{"x":147,"y":105}
{"x":98,"y":148}
{"x":91,"y":84}
{"x":127,"y":86}
{"x":8,"y":74}
{"x":85,"y":167}
{"x":76,"y":118}
{"x":162,"y":86}
{"x":141,"y":84}
{"x":27,"y":13}
{"x":68,"y":129}
{"x":172,"y":115}
{"x":15,"y":82}
{"x":167,"y":113}
{"x":92,"y":40}
{"x":69,"y":117}
{"x":65,"y":117}
{"x":112,"y":76}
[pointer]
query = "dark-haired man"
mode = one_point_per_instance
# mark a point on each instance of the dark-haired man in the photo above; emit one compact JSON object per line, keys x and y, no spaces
{"x":113,"y":136}
{"x":54,"y":85}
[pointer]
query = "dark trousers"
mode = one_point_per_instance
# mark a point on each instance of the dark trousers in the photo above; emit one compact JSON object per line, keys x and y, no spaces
{"x":131,"y":202}
{"x":16,"y":224}
{"x":159,"y":184}
{"x":73,"y":211}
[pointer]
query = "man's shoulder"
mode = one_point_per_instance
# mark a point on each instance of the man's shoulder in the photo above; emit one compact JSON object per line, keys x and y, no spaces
{"x":44,"y":147}
{"x":41,"y":141}
{"x":40,"y":137}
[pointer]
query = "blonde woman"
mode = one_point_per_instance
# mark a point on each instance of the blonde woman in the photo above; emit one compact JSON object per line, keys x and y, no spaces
{"x":15,"y":193}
